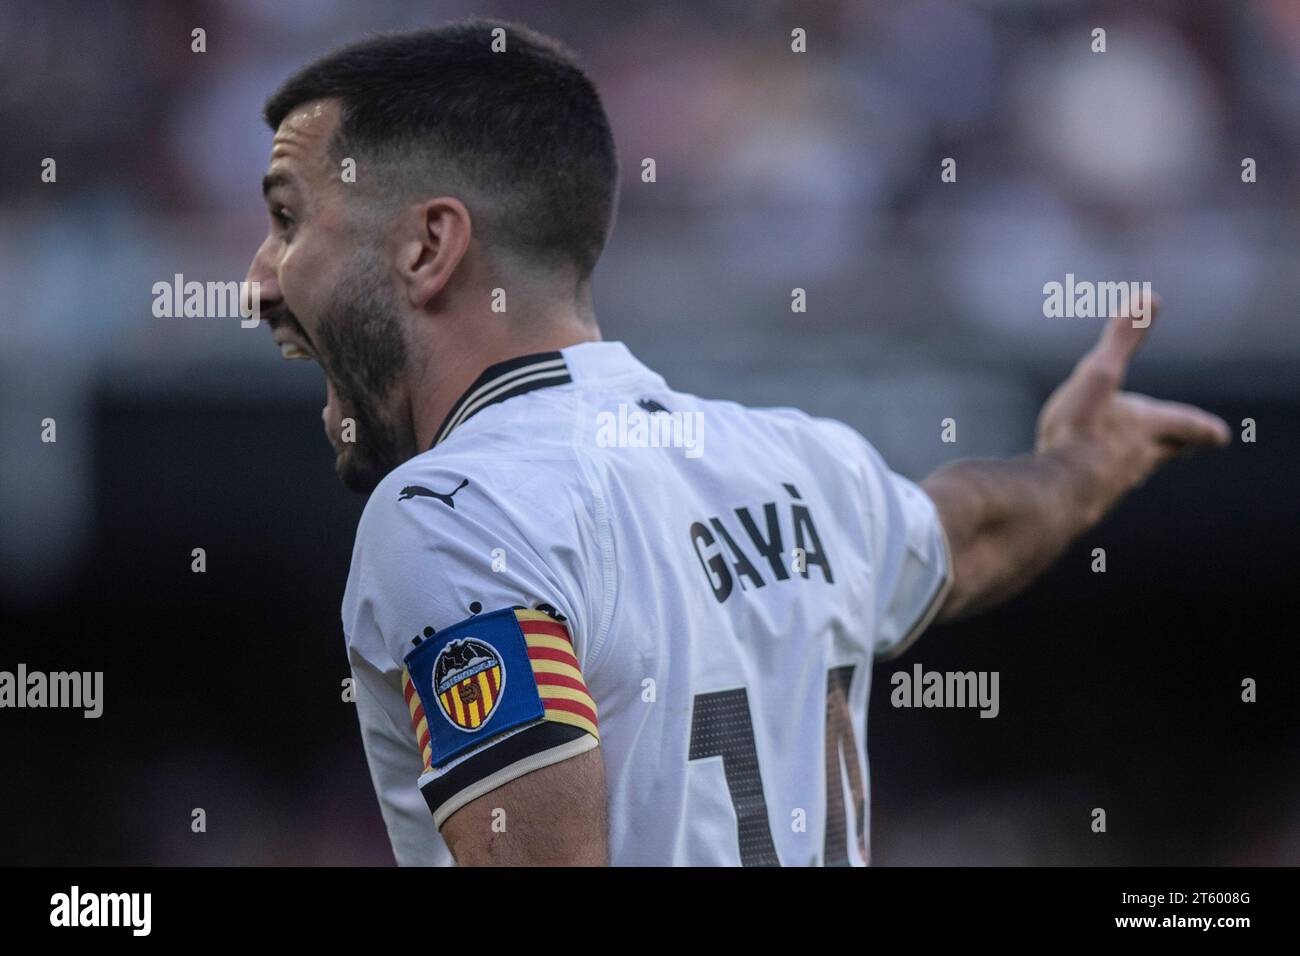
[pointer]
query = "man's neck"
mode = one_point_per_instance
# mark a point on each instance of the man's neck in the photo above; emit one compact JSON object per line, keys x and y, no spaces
{"x":434,"y":401}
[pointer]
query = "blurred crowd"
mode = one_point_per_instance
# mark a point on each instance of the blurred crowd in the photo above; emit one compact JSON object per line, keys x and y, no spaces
{"x":775,"y":170}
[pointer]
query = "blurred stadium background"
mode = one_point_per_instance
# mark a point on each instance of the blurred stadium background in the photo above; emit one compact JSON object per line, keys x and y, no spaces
{"x":222,"y":690}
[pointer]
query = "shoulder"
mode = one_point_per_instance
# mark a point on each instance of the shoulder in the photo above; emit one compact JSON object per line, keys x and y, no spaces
{"x":447,"y":493}
{"x":451,"y":533}
{"x":822,"y":439}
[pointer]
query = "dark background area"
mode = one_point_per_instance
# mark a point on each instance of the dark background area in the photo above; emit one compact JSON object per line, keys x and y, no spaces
{"x":1122,"y":691}
{"x":222,"y":690}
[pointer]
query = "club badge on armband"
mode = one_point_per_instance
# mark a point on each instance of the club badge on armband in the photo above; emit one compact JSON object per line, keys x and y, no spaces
{"x":468,"y":679}
{"x":490,"y":674}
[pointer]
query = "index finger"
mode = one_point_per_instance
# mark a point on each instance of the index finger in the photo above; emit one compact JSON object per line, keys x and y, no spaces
{"x":1121,"y":338}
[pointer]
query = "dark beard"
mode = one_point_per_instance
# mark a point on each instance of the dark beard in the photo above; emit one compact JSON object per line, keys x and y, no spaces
{"x":364,"y":354}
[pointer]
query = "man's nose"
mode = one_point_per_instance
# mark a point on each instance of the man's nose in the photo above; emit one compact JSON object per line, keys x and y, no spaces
{"x":262,"y":271}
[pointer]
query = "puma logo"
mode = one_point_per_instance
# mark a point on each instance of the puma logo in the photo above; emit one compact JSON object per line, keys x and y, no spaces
{"x":414,"y":491}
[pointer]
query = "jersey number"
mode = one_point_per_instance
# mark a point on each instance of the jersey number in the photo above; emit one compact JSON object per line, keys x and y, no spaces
{"x":721,"y":726}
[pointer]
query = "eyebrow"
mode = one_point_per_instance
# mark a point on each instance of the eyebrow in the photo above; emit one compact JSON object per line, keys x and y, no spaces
{"x":273,"y":181}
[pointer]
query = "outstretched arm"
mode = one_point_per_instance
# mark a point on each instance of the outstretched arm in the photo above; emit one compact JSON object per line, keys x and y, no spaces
{"x":1006,"y":521}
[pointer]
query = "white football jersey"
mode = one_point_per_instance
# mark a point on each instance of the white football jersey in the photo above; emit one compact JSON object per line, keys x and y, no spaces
{"x":586,"y":558}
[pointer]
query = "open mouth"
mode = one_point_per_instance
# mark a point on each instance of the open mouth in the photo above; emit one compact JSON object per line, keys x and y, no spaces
{"x":292,"y":350}
{"x":292,"y":344}
{"x":287,"y":333}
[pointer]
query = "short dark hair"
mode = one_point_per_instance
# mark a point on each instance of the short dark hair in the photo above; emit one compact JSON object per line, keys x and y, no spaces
{"x":523,"y":129}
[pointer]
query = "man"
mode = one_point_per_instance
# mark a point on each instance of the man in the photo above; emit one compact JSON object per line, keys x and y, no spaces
{"x":568,"y":649}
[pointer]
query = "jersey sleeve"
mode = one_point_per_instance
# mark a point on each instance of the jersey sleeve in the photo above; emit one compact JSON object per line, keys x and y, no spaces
{"x":485,"y":624}
{"x":907,"y":550}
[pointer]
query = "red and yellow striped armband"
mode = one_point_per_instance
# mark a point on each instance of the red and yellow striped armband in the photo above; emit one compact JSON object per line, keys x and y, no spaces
{"x":493,"y":698}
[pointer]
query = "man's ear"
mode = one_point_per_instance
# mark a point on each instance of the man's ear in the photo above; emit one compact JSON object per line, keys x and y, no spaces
{"x":433,"y":242}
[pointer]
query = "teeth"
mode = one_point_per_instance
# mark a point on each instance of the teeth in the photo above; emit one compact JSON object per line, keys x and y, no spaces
{"x":291,"y":351}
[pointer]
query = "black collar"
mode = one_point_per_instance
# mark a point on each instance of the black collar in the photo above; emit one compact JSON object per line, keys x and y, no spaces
{"x":505,"y":380}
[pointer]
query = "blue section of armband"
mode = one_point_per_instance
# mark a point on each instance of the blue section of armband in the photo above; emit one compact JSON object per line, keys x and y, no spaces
{"x":475,"y":681}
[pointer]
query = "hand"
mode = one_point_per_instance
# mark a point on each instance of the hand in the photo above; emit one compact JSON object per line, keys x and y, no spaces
{"x":1117,"y":439}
